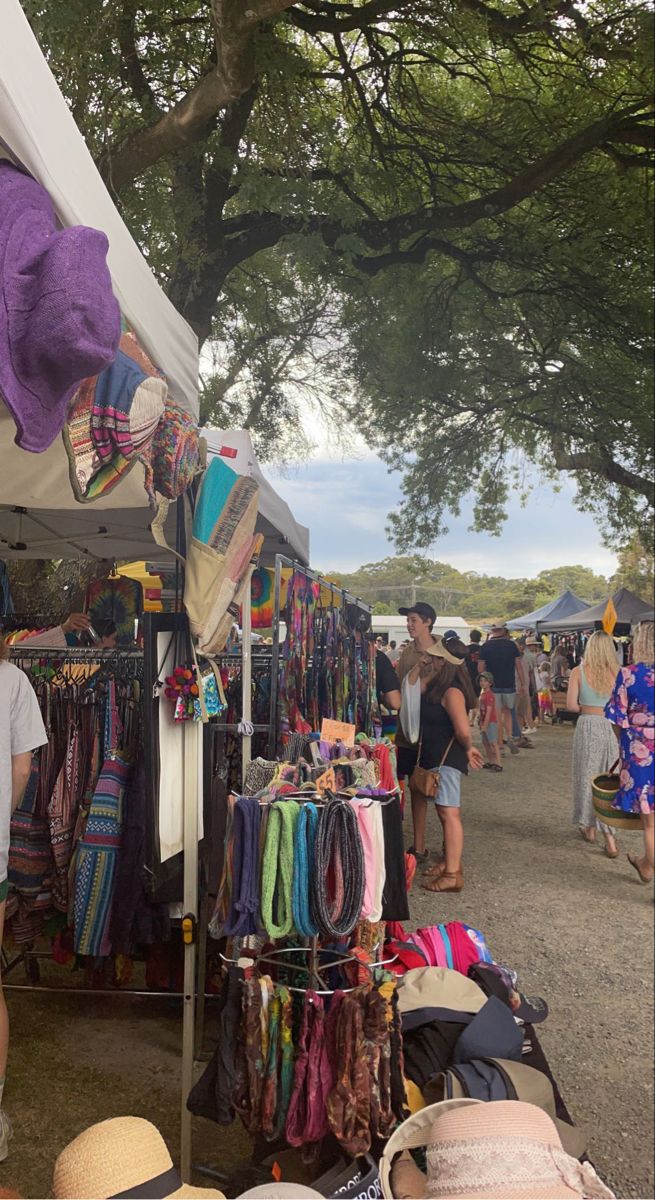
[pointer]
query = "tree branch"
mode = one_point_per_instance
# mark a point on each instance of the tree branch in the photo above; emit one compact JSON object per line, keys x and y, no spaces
{"x":600,"y":462}
{"x":183,"y":124}
{"x":131,"y":69}
{"x":332,"y":20}
{"x":255,"y":231}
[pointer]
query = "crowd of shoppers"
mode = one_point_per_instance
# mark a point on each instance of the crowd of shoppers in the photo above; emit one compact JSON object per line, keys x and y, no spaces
{"x":507,"y":686}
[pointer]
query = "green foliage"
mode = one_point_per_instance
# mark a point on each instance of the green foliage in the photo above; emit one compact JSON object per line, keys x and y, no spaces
{"x":434,"y":219}
{"x":394,"y":582}
{"x":636,"y":569}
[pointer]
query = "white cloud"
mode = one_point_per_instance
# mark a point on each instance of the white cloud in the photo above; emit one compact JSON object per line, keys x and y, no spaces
{"x":346,"y":502}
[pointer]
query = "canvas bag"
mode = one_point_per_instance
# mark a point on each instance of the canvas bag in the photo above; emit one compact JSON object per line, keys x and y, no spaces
{"x":223,"y":543}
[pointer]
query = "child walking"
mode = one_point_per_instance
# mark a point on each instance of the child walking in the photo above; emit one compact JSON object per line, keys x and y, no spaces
{"x":489,"y":723}
{"x":544,"y":694}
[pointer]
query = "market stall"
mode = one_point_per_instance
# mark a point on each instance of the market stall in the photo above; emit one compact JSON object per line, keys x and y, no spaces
{"x":60,"y":496}
{"x":541,"y":619}
{"x":628,"y":606}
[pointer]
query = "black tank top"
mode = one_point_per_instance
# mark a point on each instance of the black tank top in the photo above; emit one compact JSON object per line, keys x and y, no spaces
{"x":436,"y":732}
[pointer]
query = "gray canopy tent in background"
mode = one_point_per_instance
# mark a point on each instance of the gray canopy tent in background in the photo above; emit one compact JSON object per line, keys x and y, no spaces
{"x":630,"y":609}
{"x":541,"y":618}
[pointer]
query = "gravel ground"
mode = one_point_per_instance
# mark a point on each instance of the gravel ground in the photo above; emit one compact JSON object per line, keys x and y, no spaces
{"x":577,"y":928}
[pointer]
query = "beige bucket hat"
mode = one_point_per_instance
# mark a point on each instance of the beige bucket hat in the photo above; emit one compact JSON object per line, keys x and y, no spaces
{"x":122,"y":1157}
{"x":439,"y":987}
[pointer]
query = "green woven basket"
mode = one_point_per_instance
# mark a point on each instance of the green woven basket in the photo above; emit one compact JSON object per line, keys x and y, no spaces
{"x":604,"y":789}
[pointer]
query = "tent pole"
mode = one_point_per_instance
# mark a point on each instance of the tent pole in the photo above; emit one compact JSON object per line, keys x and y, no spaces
{"x":191,"y":732}
{"x":246,"y":673}
{"x":275,"y":660}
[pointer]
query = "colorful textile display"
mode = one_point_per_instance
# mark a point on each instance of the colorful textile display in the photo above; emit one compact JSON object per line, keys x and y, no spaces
{"x":328,"y":662}
{"x":454,"y":945}
{"x":172,"y":458}
{"x":222,"y":547}
{"x":261,"y":598}
{"x":117,"y":599}
{"x":96,"y":860}
{"x":298,"y":863}
{"x":68,"y":847}
{"x":321,"y":1066}
{"x":113,"y":420}
{"x":60,"y":321}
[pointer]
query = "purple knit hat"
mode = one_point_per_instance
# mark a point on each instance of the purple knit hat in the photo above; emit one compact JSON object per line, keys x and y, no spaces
{"x":59,"y":320}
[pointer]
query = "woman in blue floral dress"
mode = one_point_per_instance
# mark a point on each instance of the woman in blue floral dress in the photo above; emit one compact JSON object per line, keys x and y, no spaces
{"x":631,"y":709}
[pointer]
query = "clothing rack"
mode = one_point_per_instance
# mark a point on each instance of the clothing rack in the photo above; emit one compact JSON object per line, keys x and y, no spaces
{"x":281,"y":561}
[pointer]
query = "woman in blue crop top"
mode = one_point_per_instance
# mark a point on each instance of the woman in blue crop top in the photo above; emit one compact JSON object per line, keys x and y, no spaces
{"x":594,"y":744}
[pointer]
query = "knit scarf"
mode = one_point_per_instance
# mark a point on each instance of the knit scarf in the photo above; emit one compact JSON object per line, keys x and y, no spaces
{"x":277,"y":869}
{"x":303,"y":869}
{"x":244,"y":905}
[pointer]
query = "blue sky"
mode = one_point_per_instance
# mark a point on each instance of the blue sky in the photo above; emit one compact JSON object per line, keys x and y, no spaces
{"x":345,"y":502}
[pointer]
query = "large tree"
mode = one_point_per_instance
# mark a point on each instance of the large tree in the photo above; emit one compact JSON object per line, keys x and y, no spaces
{"x":433,"y":217}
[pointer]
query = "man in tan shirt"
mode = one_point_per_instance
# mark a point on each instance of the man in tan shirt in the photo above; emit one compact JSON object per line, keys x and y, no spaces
{"x":420,"y":621}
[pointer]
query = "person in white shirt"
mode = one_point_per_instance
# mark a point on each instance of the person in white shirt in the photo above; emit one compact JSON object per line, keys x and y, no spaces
{"x":21,"y":732}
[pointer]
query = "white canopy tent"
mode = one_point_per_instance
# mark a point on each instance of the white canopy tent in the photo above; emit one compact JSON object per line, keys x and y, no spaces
{"x":37,"y":132}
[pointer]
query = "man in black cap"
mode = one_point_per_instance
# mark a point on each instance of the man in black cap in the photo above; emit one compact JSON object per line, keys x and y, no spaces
{"x":420,"y":620}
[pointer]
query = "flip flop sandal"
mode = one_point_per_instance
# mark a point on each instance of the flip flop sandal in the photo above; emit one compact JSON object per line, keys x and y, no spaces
{"x":611,"y":853}
{"x":633,"y":863}
{"x":591,"y":841}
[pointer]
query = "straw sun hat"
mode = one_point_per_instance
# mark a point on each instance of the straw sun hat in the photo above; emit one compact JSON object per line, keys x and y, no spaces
{"x":125,"y":1156}
{"x":504,"y":1149}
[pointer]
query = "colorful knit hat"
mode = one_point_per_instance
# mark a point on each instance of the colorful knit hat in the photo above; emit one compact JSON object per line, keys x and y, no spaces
{"x":172,"y":459}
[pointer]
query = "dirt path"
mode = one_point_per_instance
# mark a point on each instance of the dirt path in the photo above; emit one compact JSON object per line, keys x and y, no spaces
{"x":577,"y":928}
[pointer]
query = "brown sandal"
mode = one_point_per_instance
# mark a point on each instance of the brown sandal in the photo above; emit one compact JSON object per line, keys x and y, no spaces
{"x":448,"y":881}
{"x":437,"y":869}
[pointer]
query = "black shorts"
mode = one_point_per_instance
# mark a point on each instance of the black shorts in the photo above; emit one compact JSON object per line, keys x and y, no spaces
{"x":407,"y":759}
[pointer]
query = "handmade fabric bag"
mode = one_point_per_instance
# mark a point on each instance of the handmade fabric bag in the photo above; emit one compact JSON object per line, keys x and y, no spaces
{"x":222,"y":546}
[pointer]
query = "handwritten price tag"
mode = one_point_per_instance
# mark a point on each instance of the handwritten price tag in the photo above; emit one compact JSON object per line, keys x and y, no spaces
{"x":338,"y":731}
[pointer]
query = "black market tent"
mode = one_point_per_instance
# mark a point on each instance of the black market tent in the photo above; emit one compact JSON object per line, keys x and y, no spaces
{"x":564,"y":606}
{"x":630,"y":609}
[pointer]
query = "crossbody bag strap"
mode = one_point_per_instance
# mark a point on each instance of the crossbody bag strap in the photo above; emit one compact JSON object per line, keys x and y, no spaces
{"x":446,"y":752}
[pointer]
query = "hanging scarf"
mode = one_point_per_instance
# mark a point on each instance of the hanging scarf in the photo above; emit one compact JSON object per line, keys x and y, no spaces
{"x":349,"y":1103}
{"x":303,"y":869}
{"x":244,"y":905}
{"x":338,"y":885}
{"x":277,"y":869}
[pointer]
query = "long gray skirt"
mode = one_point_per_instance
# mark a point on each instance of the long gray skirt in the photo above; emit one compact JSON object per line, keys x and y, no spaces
{"x":595,"y":749}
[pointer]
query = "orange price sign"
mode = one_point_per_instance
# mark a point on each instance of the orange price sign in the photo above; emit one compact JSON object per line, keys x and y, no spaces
{"x":326,"y":782}
{"x":338,"y":731}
